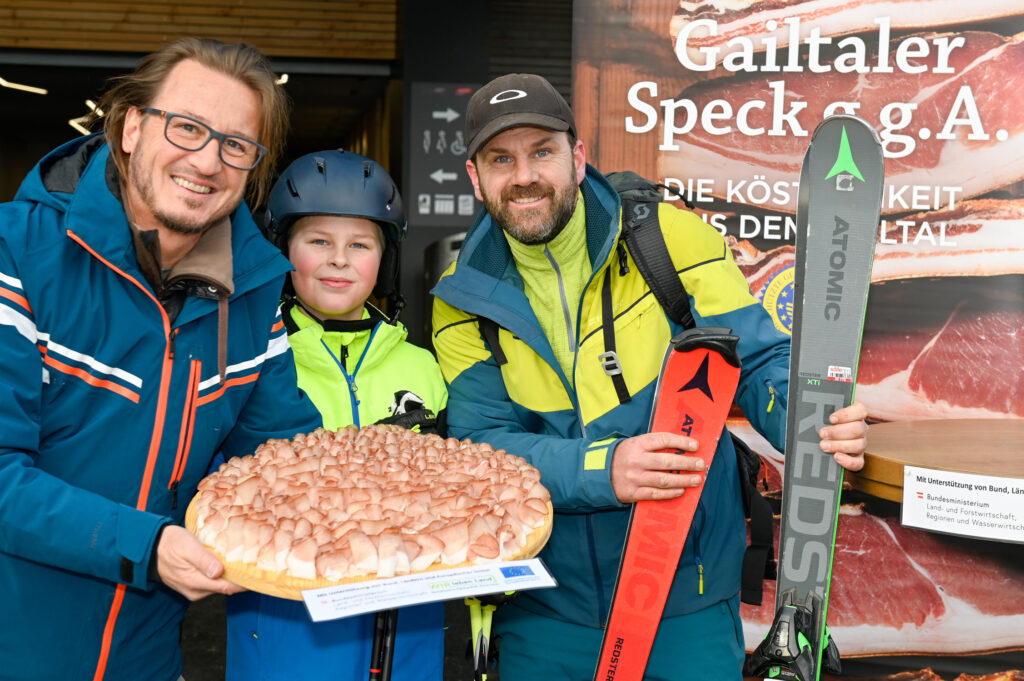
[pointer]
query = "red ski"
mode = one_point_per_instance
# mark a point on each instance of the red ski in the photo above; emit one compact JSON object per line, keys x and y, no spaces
{"x":694,"y":392}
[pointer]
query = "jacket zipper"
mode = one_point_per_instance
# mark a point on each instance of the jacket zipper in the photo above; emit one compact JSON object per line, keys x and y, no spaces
{"x":188,"y":418}
{"x":696,"y":530}
{"x":154,"y":444}
{"x":771,"y":391}
{"x":353,"y":389}
{"x":569,"y":326}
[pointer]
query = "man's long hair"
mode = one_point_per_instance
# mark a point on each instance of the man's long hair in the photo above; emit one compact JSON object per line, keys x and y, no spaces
{"x":240,"y":61}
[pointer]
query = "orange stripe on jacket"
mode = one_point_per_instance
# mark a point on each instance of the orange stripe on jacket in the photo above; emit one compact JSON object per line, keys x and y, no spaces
{"x":154,"y":444}
{"x":232,"y":382}
{"x":90,"y":379}
{"x":20,"y":300}
{"x":108,"y":633}
{"x":277,"y":327}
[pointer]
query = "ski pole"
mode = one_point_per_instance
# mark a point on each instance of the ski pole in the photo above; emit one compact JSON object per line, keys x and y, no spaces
{"x":480,"y":630}
{"x":383,"y":650}
{"x":481,"y":611}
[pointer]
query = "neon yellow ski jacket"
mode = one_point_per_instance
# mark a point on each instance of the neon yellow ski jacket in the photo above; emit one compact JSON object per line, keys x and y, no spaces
{"x":377,"y":363}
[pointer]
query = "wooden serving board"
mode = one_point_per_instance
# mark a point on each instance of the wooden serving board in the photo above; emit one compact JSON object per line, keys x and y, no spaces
{"x":976,"y":446}
{"x":285,"y":586}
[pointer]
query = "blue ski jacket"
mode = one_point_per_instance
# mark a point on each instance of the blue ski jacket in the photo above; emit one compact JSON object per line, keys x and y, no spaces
{"x":109,"y":416}
{"x":569,"y":425}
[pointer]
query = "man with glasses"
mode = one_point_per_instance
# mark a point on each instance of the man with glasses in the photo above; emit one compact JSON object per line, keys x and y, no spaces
{"x":139,"y":335}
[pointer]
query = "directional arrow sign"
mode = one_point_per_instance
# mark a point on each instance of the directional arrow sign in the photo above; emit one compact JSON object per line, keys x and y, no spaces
{"x":448,"y":114}
{"x":439,"y":176}
{"x":436,"y":159}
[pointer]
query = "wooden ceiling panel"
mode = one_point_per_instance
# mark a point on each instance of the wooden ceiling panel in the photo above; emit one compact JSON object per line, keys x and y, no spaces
{"x":321,"y":29}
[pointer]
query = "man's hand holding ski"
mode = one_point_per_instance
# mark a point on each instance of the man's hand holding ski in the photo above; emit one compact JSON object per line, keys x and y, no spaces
{"x":847,"y":437}
{"x":642,"y":472}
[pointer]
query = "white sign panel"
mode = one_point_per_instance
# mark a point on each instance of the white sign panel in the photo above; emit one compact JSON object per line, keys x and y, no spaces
{"x":980,"y":506}
{"x":357,"y":598}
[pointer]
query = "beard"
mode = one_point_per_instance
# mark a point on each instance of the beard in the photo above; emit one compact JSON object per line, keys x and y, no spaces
{"x":143,"y":184}
{"x":540,"y":225}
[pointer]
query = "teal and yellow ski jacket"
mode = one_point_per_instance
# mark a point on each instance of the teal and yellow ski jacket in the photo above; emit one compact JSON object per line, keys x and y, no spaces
{"x":568,"y":425}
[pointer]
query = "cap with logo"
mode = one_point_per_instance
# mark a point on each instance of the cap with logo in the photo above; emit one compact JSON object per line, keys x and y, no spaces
{"x":513,"y":100}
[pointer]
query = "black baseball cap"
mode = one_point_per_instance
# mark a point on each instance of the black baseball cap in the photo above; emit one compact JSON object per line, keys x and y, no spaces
{"x":510,"y":101}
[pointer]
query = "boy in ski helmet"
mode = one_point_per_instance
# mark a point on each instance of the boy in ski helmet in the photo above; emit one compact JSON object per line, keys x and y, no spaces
{"x":338,"y":217}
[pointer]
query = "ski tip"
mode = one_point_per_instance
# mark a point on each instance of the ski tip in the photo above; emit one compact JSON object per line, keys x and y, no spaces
{"x":850,"y":123}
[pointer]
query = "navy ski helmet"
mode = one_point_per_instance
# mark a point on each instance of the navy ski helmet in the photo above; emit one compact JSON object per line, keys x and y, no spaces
{"x":339,"y":182}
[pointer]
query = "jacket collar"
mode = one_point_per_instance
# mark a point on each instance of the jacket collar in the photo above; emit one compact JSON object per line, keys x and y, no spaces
{"x":486,"y":250}
{"x":308,"y":334}
{"x":210,"y":260}
{"x":485,"y":280}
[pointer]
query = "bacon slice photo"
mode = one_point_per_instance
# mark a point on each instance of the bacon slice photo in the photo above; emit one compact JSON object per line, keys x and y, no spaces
{"x":948,"y":347}
{"x":913,"y":599}
{"x":974,"y":238}
{"x":332,"y":507}
{"x":942,"y":334}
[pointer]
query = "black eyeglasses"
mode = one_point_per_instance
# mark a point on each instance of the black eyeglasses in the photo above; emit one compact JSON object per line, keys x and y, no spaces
{"x":189,"y":134}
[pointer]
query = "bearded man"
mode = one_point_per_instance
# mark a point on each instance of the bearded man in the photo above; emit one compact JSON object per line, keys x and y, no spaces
{"x":544,"y":263}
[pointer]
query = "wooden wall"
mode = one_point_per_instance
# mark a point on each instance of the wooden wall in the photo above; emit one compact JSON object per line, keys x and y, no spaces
{"x":323,"y":29}
{"x":533,"y":36}
{"x":624,"y":42}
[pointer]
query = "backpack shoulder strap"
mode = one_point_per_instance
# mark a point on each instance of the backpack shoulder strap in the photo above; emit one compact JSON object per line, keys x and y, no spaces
{"x":759,"y":558}
{"x":489,"y":331}
{"x":641,"y":230}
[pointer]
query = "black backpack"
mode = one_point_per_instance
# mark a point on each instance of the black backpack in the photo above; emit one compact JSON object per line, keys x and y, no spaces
{"x":642,"y":236}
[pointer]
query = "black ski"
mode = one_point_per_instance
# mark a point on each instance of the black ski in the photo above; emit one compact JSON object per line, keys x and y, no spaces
{"x":838,"y":215}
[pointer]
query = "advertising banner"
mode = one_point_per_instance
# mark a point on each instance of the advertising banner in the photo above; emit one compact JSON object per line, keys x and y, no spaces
{"x":718,"y":99}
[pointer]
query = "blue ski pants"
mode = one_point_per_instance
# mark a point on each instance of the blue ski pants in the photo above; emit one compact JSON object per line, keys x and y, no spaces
{"x":704,"y":645}
{"x":273,"y":639}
